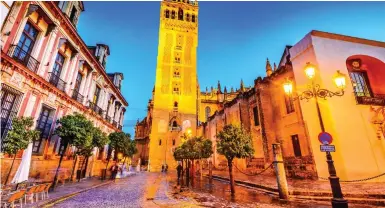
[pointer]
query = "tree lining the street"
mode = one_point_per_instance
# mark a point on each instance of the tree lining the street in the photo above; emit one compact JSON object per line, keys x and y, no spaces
{"x":18,"y":138}
{"x":234,"y":142}
{"x":77,"y":131}
{"x":195,"y":148}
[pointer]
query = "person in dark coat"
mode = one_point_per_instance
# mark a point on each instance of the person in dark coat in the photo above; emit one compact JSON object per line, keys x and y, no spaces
{"x":162,"y":168}
{"x":114,"y":171}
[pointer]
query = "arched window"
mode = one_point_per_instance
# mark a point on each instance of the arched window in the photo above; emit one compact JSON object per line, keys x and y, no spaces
{"x":188,"y":17}
{"x":180,"y":14}
{"x":160,"y":142}
{"x":173,"y":14}
{"x":167,"y":13}
{"x":174,"y":124}
{"x":176,"y":72}
{"x":207,"y":111}
{"x":173,"y":142}
{"x":175,"y":104}
{"x":193,"y":18}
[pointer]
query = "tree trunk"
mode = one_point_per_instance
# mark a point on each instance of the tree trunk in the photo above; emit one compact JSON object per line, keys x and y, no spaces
{"x":181,"y":176}
{"x":10,"y":170}
{"x":187,"y":173}
{"x":230,"y":164}
{"x":58,"y":167}
{"x":192,"y":173}
{"x":81,"y":169}
{"x":200,"y":164}
{"x":73,"y":166}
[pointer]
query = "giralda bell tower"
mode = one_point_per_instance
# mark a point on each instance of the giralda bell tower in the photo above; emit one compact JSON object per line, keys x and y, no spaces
{"x":175,"y":97}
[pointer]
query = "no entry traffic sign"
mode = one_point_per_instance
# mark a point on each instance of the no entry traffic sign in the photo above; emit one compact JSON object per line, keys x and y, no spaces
{"x":325,"y":138}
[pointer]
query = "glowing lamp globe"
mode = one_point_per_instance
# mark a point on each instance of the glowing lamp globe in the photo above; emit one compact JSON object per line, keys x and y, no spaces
{"x":288,"y":87}
{"x":340,"y":80}
{"x":310,"y":70}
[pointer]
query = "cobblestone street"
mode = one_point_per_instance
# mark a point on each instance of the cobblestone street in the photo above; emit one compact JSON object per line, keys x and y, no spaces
{"x":142,"y":190}
{"x":159,"y":190}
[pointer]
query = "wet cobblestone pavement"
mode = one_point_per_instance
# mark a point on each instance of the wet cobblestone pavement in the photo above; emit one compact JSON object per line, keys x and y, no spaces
{"x":160,"y":190}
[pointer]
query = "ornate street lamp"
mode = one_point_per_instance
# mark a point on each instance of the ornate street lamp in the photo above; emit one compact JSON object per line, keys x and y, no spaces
{"x":314,"y":91}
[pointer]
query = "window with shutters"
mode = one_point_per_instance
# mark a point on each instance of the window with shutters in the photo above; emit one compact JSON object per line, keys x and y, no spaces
{"x":289,"y":104}
{"x":44,"y":124}
{"x":10,"y":102}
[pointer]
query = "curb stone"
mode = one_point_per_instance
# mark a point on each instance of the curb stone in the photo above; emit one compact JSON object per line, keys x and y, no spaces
{"x":51,"y":202}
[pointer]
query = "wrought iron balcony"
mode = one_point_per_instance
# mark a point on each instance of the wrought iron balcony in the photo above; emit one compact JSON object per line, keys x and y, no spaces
{"x":377,"y":99}
{"x":77,"y":96}
{"x":108,"y":119}
{"x":23,"y":57}
{"x":95,"y":108}
{"x":120,"y":127}
{"x":55,"y":80}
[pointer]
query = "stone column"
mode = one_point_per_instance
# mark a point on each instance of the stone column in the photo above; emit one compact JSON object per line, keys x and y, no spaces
{"x":47,"y":53}
{"x":280,"y":172}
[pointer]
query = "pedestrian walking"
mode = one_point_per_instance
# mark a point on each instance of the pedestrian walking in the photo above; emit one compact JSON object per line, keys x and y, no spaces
{"x":114,"y":171}
{"x":166,"y":168}
{"x":162,"y":168}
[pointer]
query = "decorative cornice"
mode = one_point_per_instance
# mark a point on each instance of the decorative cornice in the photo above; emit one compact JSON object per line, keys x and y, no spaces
{"x":83,"y":47}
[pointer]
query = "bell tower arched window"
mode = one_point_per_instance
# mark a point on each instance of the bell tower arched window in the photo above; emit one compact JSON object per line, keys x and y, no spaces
{"x":188,"y":17}
{"x":193,"y":18}
{"x":167,"y":13}
{"x":173,"y":14}
{"x":180,"y":14}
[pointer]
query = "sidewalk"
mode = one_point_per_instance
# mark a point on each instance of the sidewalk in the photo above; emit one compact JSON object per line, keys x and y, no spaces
{"x":68,"y":190}
{"x":311,"y":187}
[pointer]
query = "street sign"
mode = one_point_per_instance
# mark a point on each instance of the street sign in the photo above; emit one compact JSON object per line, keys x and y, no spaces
{"x":327,"y":148}
{"x":325,"y":138}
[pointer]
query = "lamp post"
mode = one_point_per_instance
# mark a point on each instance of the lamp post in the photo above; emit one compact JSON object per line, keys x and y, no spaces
{"x":314,"y":91}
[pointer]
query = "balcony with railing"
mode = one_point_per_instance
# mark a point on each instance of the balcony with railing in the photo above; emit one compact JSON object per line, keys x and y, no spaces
{"x":55,"y":80}
{"x":23,"y":57}
{"x":108,"y":118}
{"x":77,"y":96}
{"x":96,"y":108}
{"x":120,"y":127}
{"x":376,"y":99}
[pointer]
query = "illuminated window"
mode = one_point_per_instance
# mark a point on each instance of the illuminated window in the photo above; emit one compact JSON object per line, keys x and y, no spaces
{"x":360,"y":83}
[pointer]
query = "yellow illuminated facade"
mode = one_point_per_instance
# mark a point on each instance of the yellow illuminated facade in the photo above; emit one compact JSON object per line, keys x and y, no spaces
{"x":175,"y":96}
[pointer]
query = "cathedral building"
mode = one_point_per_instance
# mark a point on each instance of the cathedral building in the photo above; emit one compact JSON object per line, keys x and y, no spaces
{"x":48,"y":72}
{"x":354,"y":115}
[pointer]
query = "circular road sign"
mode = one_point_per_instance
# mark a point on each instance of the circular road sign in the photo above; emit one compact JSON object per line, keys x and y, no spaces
{"x":325,"y":138}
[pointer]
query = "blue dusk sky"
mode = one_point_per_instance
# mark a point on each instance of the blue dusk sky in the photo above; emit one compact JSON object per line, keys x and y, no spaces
{"x":235,"y":38}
